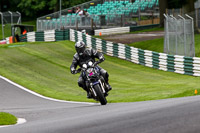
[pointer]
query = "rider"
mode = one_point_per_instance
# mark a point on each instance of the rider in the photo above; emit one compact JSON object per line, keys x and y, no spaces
{"x":84,"y":55}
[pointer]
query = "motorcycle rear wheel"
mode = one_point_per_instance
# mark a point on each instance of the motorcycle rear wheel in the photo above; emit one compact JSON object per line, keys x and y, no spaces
{"x":100,"y":95}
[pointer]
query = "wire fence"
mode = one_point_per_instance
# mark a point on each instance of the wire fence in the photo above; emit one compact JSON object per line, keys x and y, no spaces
{"x":7,"y":19}
{"x":179,"y":35}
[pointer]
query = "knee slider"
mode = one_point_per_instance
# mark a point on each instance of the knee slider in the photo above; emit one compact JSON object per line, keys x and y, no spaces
{"x":80,"y":82}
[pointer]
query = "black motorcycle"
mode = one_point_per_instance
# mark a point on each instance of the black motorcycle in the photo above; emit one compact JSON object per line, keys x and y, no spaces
{"x":94,"y":81}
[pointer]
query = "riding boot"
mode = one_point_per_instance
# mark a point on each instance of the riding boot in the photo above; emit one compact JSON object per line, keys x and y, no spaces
{"x":89,"y":95}
{"x":108,"y":86}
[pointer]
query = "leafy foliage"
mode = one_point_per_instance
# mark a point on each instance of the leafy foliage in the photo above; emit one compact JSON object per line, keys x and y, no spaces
{"x":36,"y":8}
{"x":179,"y":3}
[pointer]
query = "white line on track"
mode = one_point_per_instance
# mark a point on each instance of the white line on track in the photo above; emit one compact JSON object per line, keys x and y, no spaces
{"x":47,"y":98}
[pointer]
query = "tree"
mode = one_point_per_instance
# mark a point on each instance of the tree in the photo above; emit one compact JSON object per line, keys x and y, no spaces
{"x":163,"y":5}
{"x":8,"y":5}
{"x":187,"y":5}
{"x":31,"y":8}
{"x":38,"y":8}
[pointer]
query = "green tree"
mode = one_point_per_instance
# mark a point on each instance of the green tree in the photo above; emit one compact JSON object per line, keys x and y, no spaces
{"x":32,"y":7}
{"x":37,"y":8}
{"x":8,"y":5}
{"x":163,"y":5}
{"x":188,"y":6}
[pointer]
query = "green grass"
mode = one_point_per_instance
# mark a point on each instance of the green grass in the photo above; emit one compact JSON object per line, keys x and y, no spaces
{"x":7,"y":31}
{"x":45,"y":68}
{"x":158,"y":45}
{"x":147,"y":30}
{"x":152,"y":45}
{"x":7,"y":119}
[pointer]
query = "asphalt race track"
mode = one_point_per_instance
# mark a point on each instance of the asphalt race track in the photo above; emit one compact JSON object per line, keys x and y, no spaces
{"x":180,"y":115}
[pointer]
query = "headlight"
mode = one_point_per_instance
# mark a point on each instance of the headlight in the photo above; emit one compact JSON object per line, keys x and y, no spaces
{"x":84,"y":66}
{"x":90,"y":63}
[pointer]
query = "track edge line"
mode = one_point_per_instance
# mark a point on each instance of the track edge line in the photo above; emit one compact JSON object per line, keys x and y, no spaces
{"x":41,"y":96}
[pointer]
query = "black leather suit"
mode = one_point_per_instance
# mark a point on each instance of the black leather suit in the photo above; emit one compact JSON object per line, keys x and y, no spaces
{"x":88,"y":55}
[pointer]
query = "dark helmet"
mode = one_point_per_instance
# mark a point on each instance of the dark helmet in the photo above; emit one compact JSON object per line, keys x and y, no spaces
{"x":80,"y":47}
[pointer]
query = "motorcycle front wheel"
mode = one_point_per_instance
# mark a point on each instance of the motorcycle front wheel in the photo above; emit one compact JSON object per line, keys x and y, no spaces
{"x":100,"y":95}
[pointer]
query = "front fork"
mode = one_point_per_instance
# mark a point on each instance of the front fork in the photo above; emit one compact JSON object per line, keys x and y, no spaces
{"x":101,"y":86}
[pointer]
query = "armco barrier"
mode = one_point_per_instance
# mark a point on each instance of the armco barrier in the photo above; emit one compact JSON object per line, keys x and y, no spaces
{"x":23,"y":38}
{"x":165,"y":62}
{"x":112,"y":30}
{"x":47,"y":36}
{"x":123,"y":29}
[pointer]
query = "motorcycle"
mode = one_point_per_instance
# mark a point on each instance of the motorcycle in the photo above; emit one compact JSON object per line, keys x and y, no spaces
{"x":94,"y":81}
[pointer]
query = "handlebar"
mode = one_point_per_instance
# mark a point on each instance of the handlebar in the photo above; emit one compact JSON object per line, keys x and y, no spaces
{"x":79,"y":70}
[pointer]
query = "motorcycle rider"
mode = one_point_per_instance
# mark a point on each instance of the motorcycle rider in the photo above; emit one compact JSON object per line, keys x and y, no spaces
{"x":82,"y":56}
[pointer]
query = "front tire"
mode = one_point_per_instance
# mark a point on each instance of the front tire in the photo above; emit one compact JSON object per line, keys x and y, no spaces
{"x":100,"y":95}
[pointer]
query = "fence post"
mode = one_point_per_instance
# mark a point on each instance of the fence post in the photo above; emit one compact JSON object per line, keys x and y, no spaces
{"x":152,"y":17}
{"x":176,"y":25}
{"x":166,"y":44}
{"x":192,"y":33}
{"x":2,"y":24}
{"x":20,"y":18}
{"x":11,"y":17}
{"x":122,"y":23}
{"x":92,"y":24}
{"x":184,"y":32}
{"x":196,"y":13}
{"x":76,"y":24}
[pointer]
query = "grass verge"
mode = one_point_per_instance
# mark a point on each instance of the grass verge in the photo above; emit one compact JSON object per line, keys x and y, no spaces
{"x":7,"y":119}
{"x":147,"y":30}
{"x":44,"y":67}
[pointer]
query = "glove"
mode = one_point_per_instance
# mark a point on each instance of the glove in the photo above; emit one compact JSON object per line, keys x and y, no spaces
{"x":73,"y":71}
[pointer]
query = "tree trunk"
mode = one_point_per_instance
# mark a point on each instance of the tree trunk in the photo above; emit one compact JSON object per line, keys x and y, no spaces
{"x":162,"y":6}
{"x":56,"y":7}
